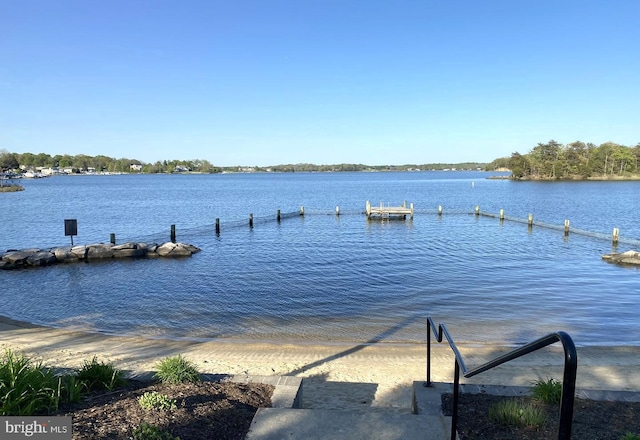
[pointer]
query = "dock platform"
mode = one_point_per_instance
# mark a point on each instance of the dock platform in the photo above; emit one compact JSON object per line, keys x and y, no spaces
{"x":389,"y":211}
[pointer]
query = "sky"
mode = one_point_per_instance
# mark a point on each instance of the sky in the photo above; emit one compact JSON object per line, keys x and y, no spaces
{"x":267,"y":82}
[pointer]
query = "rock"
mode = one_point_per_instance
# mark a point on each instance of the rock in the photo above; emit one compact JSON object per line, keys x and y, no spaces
{"x":5,"y":265}
{"x":42,"y":258}
{"x":65,"y":255}
{"x":99,"y":251}
{"x":80,"y":251}
{"x":130,"y":249}
{"x":629,"y":258}
{"x":19,"y":257}
{"x":170,"y":249}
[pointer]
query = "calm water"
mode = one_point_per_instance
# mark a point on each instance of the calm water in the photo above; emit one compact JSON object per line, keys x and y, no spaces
{"x":326,"y":278}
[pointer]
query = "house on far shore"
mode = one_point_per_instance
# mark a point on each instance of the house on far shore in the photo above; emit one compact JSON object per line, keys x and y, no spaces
{"x":135,"y":167}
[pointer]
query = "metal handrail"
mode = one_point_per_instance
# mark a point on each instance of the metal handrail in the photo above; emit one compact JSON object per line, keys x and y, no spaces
{"x":568,"y":382}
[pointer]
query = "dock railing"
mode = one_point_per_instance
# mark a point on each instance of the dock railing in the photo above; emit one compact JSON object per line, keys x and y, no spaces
{"x":568,"y":382}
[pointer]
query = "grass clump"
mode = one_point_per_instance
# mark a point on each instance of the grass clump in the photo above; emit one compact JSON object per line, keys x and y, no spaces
{"x":150,"y":432}
{"x":549,"y":391}
{"x":156,"y":401}
{"x":99,"y":376}
{"x":630,"y":436}
{"x":177,"y":369}
{"x":517,"y":413}
{"x":26,"y":388}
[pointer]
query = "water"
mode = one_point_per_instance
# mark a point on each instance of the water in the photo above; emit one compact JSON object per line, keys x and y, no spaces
{"x":326,"y":278}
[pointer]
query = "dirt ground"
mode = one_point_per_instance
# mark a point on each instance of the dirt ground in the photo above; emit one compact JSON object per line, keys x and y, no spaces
{"x":592,"y":420}
{"x":206,"y":410}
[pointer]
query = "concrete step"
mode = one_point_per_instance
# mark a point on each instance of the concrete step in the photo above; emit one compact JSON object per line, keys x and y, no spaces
{"x":324,"y":424}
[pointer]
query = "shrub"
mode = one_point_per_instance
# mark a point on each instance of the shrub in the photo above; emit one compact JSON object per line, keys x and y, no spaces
{"x":549,"y":391}
{"x":154,"y":400}
{"x":630,"y":436}
{"x":99,"y":376}
{"x":513,"y":412}
{"x":26,"y":388}
{"x":177,"y":369}
{"x":150,"y":432}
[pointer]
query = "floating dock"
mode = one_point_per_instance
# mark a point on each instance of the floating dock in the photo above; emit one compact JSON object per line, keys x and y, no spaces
{"x":389,"y":211}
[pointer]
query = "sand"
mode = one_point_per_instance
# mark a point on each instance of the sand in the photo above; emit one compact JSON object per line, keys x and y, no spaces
{"x":380,"y":374}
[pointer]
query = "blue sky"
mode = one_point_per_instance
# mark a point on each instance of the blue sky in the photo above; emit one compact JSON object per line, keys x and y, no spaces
{"x":270,"y":82}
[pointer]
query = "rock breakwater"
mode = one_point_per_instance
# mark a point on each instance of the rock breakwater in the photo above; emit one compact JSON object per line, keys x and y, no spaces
{"x":17,"y":259}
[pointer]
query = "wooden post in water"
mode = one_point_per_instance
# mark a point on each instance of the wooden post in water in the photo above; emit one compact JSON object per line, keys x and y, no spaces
{"x":173,"y":233}
{"x":440,"y":210}
{"x":337,"y":210}
{"x":302,"y":210}
{"x":251,"y":220}
{"x":411,"y":206}
{"x":501,"y":214}
{"x":477,"y":210}
{"x":278,"y":215}
{"x":112,"y":238}
{"x":218,"y":226}
{"x":566,"y":228}
{"x":530,"y":220}
{"x":616,"y":235}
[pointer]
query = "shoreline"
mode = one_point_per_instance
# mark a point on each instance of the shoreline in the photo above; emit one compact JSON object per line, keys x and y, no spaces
{"x":393,"y":368}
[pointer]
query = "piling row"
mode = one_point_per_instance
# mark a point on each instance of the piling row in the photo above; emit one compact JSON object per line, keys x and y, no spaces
{"x":615,"y":237}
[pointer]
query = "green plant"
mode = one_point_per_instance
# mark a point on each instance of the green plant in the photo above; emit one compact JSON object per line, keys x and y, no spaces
{"x":514,"y":412}
{"x":26,"y":388}
{"x":177,"y":369}
{"x":549,"y":391}
{"x":99,"y":375}
{"x":630,"y":436}
{"x":150,"y":432}
{"x":154,"y":400}
{"x":71,"y":389}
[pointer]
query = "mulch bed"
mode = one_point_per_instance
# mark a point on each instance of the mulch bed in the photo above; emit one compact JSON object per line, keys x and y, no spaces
{"x":206,"y":410}
{"x":592,"y":420}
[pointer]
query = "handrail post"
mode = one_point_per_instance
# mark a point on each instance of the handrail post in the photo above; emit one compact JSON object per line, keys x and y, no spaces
{"x":428,"y":384}
{"x":454,"y":416}
{"x":568,"y":386}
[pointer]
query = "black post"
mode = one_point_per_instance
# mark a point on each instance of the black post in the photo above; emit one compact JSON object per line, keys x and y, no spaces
{"x":112,"y":238}
{"x":278,"y":215}
{"x":251,"y":220}
{"x":568,"y":386}
{"x":218,"y":226}
{"x":173,"y":233}
{"x":428,"y":355}
{"x":454,"y":414}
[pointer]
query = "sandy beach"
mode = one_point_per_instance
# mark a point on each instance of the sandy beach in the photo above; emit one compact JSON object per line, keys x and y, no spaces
{"x":384,"y":372}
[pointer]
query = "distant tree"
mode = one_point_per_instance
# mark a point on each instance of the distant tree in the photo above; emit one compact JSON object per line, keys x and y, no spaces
{"x":8,"y":161}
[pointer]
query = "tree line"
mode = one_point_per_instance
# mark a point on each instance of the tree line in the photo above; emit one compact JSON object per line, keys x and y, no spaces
{"x":82,"y":163}
{"x":577,"y":160}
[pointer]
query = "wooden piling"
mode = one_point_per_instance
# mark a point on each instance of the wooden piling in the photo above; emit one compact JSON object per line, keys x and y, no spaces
{"x":616,"y":235}
{"x":218,"y":226}
{"x":173,"y":233}
{"x":251,"y":220}
{"x":566,"y":227}
{"x":530,"y":220}
{"x":440,"y":210}
{"x":112,"y":238}
{"x":302,"y":210}
{"x":477,"y":210}
{"x":337,"y":210}
{"x":278,"y":215}
{"x":501,"y":214}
